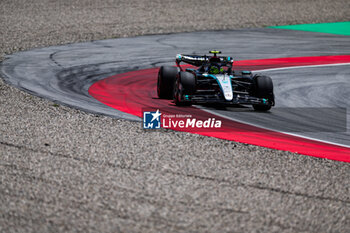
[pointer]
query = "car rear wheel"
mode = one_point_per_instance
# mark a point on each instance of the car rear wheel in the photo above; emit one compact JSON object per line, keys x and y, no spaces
{"x":263,"y":89}
{"x":166,"y":81}
{"x":185,"y":85}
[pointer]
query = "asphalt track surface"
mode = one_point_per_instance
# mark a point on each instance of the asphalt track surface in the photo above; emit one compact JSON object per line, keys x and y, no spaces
{"x":311,"y":102}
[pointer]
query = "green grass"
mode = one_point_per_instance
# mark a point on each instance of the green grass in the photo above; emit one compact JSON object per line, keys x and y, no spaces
{"x":339,"y":28}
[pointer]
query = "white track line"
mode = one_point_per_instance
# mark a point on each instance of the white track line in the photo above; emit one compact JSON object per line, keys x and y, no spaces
{"x":298,"y":67}
{"x":263,"y":127}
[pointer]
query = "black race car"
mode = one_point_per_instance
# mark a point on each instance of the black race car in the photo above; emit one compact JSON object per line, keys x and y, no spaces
{"x":214,"y":81}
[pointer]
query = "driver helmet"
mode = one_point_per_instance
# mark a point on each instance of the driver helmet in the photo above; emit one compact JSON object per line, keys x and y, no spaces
{"x":215,"y":69}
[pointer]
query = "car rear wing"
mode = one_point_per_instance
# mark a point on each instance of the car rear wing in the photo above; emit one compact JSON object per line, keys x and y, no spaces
{"x":196,"y":60}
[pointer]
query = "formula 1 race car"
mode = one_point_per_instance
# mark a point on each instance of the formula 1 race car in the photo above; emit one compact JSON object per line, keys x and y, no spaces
{"x":213,"y":81}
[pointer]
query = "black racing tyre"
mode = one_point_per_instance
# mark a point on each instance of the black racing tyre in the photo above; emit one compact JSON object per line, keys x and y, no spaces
{"x":185,"y":85}
{"x":261,"y":108}
{"x":263,"y":89}
{"x":188,"y":82}
{"x":166,"y":81}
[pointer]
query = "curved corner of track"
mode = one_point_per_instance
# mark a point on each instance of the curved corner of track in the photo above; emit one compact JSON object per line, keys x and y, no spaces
{"x":134,"y":91}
